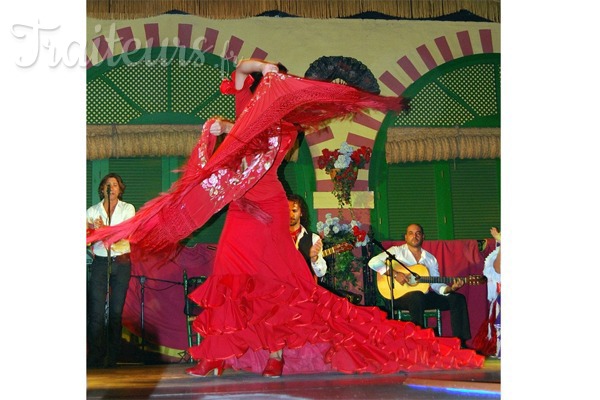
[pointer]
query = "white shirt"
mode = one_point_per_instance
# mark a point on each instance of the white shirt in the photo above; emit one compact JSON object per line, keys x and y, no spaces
{"x":493,"y":278}
{"x":319,"y":266}
{"x":123,"y":211}
{"x":403,"y":254}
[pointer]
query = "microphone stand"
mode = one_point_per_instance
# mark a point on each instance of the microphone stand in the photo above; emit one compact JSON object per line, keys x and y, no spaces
{"x":142,"y":286}
{"x":391,"y":281}
{"x":108,"y":272}
{"x":143,"y":279}
{"x":390,"y":272}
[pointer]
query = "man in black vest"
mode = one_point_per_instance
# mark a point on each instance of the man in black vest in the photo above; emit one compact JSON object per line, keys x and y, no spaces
{"x":309,"y":243}
{"x":311,"y":246}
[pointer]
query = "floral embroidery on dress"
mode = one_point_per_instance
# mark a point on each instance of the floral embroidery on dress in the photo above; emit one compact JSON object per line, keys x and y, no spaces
{"x":250,"y":168}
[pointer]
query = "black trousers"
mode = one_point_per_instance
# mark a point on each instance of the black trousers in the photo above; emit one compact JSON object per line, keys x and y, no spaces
{"x":104,"y":341}
{"x":416,"y":302}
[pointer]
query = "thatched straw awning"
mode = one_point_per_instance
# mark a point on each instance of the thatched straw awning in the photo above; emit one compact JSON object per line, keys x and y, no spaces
{"x":408,"y":144}
{"x":114,"y":141}
{"x":234,"y":9}
{"x":117,"y":141}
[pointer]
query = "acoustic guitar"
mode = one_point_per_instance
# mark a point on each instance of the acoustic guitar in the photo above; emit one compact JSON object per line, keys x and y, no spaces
{"x":420,"y":283}
{"x":338,"y":248}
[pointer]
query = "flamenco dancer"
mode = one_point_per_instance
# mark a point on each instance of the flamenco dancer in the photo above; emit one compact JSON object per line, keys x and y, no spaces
{"x":262,"y":310}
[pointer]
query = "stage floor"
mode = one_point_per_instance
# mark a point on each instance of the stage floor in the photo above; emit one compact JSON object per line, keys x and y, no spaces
{"x":170,"y":381}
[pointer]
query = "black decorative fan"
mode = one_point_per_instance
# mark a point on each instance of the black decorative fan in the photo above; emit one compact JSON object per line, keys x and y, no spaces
{"x":345,"y":70}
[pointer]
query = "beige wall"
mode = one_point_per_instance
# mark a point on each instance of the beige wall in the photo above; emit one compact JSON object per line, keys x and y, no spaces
{"x":296,"y":42}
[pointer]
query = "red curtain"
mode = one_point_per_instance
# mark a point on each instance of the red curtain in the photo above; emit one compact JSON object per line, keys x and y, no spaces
{"x":163,"y":294}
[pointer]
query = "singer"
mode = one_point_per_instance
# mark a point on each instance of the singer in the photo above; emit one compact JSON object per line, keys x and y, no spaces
{"x":440,"y":295}
{"x":109,"y":277}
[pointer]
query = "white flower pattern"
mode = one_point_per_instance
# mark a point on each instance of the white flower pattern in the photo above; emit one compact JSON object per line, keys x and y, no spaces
{"x":249,"y":170}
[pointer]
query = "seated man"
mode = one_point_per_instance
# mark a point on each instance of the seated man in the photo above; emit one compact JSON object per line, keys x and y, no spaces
{"x":439,"y":295}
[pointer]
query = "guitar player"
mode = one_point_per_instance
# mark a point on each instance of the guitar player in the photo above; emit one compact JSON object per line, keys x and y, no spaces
{"x":309,"y":243}
{"x":311,"y":246}
{"x":439,"y":295}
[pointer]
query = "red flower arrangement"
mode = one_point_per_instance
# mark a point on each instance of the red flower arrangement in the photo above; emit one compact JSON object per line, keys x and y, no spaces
{"x":342,"y":165}
{"x":333,"y":232}
{"x":360,"y":234}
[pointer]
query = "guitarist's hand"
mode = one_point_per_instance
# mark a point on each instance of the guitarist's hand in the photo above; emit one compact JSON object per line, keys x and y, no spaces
{"x":315,"y":249}
{"x":400,"y":278}
{"x":457,"y":283}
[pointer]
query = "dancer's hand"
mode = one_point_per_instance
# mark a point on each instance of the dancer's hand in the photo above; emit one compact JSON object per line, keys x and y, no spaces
{"x":216,"y":129}
{"x":220,"y":126}
{"x":269,"y":68}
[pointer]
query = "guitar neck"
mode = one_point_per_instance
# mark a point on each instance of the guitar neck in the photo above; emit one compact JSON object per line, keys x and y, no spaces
{"x":436,"y":279}
{"x":328,"y":252}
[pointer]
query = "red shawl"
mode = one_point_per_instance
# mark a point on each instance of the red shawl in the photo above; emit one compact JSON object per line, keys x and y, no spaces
{"x":281,"y":105}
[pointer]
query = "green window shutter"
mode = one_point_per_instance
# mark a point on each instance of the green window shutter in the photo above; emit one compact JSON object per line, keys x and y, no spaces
{"x":211,"y":231}
{"x":88,"y":180}
{"x":475,"y":197}
{"x":142,"y":177}
{"x":412,"y":198}
{"x":287,"y":176}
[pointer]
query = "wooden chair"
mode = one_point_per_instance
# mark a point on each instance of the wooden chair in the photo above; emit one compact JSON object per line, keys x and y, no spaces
{"x":434,"y":313}
{"x":191,"y":309}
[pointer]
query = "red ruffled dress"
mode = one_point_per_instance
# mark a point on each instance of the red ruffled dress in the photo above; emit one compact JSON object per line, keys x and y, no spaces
{"x":261,"y":297}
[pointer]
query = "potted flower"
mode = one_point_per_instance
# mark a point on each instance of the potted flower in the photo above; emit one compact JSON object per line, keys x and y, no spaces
{"x":345,"y":263}
{"x":342,"y":166}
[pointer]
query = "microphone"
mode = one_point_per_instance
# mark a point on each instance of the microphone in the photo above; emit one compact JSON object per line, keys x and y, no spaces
{"x":392,"y":257}
{"x":108,"y":199}
{"x":378,"y":243}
